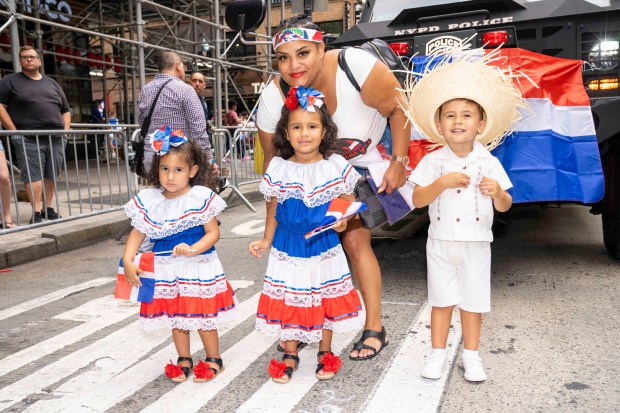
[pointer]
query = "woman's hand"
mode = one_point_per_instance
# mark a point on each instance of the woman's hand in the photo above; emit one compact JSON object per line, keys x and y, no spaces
{"x":132,"y":273}
{"x":181,"y":249}
{"x":258,"y":247}
{"x":394,"y":178}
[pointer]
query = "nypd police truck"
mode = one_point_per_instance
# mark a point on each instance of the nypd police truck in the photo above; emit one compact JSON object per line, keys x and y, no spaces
{"x":588,"y":31}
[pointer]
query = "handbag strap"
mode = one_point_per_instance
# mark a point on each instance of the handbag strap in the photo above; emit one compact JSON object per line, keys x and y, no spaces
{"x":144,"y":128}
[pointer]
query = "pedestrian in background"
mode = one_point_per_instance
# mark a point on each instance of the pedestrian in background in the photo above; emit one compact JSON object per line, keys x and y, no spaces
{"x":232,"y":120}
{"x":177,"y":106}
{"x":32,"y":101}
{"x":5,"y":190}
{"x":468,"y":107}
{"x":178,"y":215}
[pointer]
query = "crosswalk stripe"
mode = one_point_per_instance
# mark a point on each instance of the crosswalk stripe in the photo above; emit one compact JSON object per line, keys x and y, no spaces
{"x":111,"y":311}
{"x":119,"y":376}
{"x":196,"y":395}
{"x":56,"y":295}
{"x":272,"y":397}
{"x":401,"y":388}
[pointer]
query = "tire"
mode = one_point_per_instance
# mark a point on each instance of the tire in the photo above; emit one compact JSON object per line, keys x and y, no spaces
{"x":611,"y":209}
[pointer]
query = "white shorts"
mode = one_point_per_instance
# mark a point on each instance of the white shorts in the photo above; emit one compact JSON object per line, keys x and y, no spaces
{"x":459,"y":273}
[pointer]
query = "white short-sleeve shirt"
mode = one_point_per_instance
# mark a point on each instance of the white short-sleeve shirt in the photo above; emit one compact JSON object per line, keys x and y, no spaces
{"x":362,"y":126}
{"x":461,"y":214}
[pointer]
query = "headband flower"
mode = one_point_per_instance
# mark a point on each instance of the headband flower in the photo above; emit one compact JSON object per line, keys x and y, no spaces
{"x":162,"y":139}
{"x":308,"y":98}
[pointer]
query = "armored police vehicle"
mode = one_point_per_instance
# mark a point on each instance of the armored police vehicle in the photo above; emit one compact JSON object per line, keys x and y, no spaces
{"x":588,"y":31}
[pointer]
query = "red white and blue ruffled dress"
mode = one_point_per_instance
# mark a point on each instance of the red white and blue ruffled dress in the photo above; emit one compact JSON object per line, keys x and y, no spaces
{"x":191,"y":293}
{"x":307,"y":286}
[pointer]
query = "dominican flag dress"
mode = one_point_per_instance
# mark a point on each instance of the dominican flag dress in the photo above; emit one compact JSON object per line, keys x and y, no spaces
{"x":191,"y":293}
{"x":307,"y":285}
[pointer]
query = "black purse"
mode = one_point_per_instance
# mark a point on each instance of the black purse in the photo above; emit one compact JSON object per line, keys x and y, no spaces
{"x":374,"y":215}
{"x":136,"y":165}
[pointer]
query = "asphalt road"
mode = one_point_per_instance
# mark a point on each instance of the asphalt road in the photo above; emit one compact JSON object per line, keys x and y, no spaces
{"x":549,"y":343}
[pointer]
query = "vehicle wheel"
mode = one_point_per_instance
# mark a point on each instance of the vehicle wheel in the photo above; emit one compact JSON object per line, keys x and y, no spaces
{"x":611,"y":210}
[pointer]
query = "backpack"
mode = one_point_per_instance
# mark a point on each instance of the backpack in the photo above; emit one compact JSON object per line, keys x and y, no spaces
{"x":382,"y":51}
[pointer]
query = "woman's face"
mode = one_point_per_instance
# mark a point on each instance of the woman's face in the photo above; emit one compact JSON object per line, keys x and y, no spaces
{"x":300,"y":61}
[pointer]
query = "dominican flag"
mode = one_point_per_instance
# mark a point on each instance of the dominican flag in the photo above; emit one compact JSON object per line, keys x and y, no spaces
{"x":337,"y":210}
{"x":144,"y":293}
{"x":553,"y":154}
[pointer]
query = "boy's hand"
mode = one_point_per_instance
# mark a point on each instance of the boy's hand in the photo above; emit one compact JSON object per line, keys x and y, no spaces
{"x":181,"y":249}
{"x":132,"y":273}
{"x":490,"y":187}
{"x":340,"y":226}
{"x":456,"y":180}
{"x":257,"y":247}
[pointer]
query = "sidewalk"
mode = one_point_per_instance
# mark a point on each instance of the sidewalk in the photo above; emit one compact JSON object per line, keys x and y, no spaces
{"x":33,"y":244}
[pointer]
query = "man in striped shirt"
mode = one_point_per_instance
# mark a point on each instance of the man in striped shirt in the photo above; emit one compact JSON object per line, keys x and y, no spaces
{"x":177,"y":106}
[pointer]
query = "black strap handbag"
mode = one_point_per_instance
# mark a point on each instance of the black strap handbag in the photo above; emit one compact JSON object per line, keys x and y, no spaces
{"x":136,"y":165}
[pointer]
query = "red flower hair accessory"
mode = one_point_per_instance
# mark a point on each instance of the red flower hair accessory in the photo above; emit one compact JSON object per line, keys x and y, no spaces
{"x":308,"y":98}
{"x":291,"y":100}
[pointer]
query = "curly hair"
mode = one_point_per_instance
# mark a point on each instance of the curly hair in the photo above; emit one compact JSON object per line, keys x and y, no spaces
{"x":329,"y":144}
{"x":193,"y":155}
{"x":301,"y":20}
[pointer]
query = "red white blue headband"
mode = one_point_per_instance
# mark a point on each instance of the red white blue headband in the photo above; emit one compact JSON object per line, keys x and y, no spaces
{"x":308,"y":98}
{"x":162,"y":139}
{"x":296,"y":33}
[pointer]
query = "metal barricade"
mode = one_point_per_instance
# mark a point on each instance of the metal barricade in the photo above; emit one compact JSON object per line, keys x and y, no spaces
{"x":235,"y":155}
{"x":91,"y":175}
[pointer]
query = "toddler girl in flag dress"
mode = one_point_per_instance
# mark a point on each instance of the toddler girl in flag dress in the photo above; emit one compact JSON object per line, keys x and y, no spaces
{"x":178,"y":215}
{"x":307,"y":290}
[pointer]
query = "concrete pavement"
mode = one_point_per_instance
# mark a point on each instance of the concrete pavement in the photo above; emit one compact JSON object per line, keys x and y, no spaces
{"x":43,"y":241}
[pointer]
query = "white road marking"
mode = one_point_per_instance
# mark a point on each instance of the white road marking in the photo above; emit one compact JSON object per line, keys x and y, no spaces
{"x":273,"y":397}
{"x":254,"y":226}
{"x":111,"y":311}
{"x":56,"y":295}
{"x":116,"y":376}
{"x":196,"y":395}
{"x":401,"y":388}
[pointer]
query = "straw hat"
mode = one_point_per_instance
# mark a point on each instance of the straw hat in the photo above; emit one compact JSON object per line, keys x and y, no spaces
{"x":464,"y":75}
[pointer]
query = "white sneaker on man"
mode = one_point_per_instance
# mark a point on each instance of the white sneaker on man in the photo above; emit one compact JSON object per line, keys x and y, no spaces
{"x":474,"y":370}
{"x":435,"y":364}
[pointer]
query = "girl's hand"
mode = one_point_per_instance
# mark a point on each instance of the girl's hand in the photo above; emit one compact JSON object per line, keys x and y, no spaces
{"x":132,"y":273}
{"x":490,"y":187}
{"x":181,"y":249}
{"x":456,"y":180}
{"x":257,"y":247}
{"x":340,"y":226}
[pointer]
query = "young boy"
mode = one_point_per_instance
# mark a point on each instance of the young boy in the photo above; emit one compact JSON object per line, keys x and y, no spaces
{"x":468,"y":108}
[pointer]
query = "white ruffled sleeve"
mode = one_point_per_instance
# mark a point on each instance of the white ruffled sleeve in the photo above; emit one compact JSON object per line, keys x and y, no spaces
{"x":348,"y":173}
{"x":154,"y":215}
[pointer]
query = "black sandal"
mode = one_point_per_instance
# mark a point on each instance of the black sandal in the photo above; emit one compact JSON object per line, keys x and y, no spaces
{"x":300,"y":345}
{"x":280,"y":372}
{"x":173,"y":371}
{"x":329,"y":363}
{"x":360,"y":344}
{"x":204,"y":372}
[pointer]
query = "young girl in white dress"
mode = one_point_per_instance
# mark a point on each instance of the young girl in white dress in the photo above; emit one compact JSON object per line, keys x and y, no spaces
{"x":179,"y":216}
{"x":307,"y":290}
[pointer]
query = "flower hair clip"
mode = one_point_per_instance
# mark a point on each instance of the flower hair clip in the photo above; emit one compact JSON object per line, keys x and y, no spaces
{"x":162,"y":139}
{"x":308,"y":98}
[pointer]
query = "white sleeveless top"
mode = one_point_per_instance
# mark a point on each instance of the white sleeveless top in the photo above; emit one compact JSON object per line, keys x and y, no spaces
{"x":362,"y":125}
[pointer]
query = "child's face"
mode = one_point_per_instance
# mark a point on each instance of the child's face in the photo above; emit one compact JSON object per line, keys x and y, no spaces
{"x":459,"y":123}
{"x":305,"y":132}
{"x":175,"y":173}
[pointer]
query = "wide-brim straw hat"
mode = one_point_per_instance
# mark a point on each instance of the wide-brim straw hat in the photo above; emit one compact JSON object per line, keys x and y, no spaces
{"x":464,"y":74}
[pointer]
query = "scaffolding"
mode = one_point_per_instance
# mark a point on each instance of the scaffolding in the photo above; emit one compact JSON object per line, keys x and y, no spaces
{"x":108,"y":47}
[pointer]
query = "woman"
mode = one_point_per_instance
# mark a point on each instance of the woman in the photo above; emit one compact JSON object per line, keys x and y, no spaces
{"x":361,"y":119}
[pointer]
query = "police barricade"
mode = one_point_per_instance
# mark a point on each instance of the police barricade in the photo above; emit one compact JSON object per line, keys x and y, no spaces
{"x":90,"y":175}
{"x":238,"y":170}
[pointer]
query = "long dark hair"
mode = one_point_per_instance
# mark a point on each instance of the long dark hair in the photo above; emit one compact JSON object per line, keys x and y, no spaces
{"x":193,"y":154}
{"x":283,"y":148}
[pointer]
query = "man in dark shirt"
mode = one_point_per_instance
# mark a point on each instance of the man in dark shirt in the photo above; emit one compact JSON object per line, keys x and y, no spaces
{"x":31,"y":101}
{"x":198,"y":82}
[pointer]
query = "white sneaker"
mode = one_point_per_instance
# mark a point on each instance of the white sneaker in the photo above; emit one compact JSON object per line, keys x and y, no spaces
{"x":474,"y":370}
{"x":435,"y":364}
